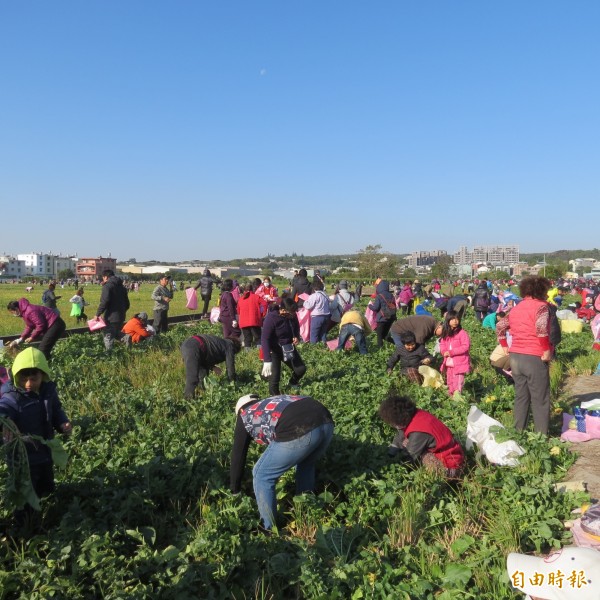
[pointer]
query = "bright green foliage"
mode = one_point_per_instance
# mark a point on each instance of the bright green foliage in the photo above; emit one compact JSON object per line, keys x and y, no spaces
{"x":143,"y":510}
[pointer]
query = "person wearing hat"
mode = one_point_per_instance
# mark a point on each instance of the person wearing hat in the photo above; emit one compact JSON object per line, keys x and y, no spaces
{"x":162,"y":295}
{"x":30,"y":400}
{"x":297,"y":431}
{"x":136,"y":328}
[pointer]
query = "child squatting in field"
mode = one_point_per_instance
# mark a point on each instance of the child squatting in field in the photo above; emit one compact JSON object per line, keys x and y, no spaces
{"x":30,"y":400}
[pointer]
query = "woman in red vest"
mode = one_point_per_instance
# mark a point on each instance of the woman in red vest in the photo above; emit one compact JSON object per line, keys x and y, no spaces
{"x":421,"y":437}
{"x":530,"y":352}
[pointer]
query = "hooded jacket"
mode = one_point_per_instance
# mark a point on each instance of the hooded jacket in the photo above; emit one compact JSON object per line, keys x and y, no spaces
{"x":114,"y":301}
{"x":33,"y":413}
{"x":38,"y":319}
{"x":383,"y":293}
{"x":135,"y":328}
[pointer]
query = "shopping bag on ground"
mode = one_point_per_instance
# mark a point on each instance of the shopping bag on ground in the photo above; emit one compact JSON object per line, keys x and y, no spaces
{"x":431,"y":377}
{"x":478,"y":432}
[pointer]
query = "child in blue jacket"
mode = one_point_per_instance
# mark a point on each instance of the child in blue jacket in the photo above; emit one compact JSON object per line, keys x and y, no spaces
{"x":30,"y":401}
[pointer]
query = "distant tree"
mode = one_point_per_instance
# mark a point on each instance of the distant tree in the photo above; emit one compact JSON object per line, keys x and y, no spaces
{"x":65,"y":274}
{"x":409,"y":273}
{"x":441,"y":269}
{"x":555,"y":271}
{"x":373,"y":263}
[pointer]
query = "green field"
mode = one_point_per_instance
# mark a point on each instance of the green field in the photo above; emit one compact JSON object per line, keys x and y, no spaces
{"x":140,"y":301}
{"x":143,"y":508}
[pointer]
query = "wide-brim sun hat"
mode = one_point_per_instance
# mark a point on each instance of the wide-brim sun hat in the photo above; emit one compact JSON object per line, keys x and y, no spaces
{"x":247,"y":399}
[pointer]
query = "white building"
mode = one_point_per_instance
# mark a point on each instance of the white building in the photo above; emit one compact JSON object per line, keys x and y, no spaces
{"x":12,"y":267}
{"x":39,"y":264}
{"x":494,"y":255}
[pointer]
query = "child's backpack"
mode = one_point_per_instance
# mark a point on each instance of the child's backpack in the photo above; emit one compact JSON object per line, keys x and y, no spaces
{"x":388,"y":308}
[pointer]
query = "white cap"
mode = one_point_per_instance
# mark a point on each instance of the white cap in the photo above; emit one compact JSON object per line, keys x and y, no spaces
{"x":571,"y":573}
{"x":245,"y":400}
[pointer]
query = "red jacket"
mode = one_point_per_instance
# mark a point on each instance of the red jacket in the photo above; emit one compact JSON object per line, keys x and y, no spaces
{"x":251,"y":310}
{"x":447,"y":449}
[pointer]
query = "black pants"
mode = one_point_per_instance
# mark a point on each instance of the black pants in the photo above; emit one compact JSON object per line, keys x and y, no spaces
{"x":42,"y":479}
{"x":196,"y":366}
{"x":296,"y":365}
{"x":160,"y":322}
{"x":382,"y":330}
{"x":251,"y":336}
{"x":51,"y":337}
{"x":206,"y":300}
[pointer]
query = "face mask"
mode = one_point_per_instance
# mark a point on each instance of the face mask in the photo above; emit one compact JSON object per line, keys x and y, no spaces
{"x":266,"y":284}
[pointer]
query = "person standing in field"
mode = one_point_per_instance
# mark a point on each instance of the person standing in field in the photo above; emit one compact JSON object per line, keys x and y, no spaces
{"x":530,"y":353}
{"x":455,"y":344}
{"x":40,"y":322}
{"x":30,"y":400}
{"x":384,"y":306}
{"x":280,"y":335}
{"x":162,"y":296}
{"x":114,"y":304}
{"x":318,"y":304}
{"x":49,"y":298}
{"x":206,"y":286}
{"x":78,"y":306}
{"x":252,"y":309}
{"x":228,"y":314}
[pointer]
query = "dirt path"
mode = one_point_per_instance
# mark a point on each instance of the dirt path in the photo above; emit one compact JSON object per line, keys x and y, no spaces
{"x":587,"y":467}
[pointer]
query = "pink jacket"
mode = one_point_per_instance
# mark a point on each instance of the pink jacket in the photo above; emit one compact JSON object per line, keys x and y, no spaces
{"x":458,"y":346}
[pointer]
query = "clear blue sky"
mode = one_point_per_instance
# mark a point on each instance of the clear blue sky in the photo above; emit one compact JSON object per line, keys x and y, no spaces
{"x":188,"y":129}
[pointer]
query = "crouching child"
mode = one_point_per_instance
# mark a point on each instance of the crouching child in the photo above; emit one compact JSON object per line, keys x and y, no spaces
{"x":411,"y":356}
{"x":421,"y":438}
{"x":30,"y":400}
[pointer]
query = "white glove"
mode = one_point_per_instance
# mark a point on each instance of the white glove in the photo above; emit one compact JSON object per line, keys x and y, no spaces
{"x":234,"y":324}
{"x":14,"y":343}
{"x":267,"y":369}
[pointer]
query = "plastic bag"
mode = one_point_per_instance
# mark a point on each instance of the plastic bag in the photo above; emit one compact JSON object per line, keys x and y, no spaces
{"x":95,"y":325}
{"x":431,"y":377}
{"x":371,"y":317}
{"x":192,"y":298}
{"x":215,"y":313}
{"x":505,"y":454}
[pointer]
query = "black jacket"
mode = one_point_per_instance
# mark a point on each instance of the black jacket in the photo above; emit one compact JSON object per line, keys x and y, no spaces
{"x":114,"y":301}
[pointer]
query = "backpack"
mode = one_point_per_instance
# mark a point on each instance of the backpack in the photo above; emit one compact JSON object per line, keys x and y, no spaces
{"x":345,"y":306}
{"x":388,"y":308}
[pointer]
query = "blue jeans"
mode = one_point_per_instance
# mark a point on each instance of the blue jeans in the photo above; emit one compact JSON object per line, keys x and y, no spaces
{"x":359,"y":337}
{"x":318,"y":328}
{"x":280,"y":457}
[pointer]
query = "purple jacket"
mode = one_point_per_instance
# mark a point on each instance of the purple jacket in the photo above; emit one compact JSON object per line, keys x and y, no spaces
{"x":228,"y":306}
{"x":38,"y":319}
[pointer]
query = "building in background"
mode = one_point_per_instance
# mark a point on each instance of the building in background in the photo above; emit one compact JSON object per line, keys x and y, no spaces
{"x":424,"y":258}
{"x":90,"y":269}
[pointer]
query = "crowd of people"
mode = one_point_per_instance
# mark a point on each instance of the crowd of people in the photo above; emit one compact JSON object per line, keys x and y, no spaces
{"x":298,"y":429}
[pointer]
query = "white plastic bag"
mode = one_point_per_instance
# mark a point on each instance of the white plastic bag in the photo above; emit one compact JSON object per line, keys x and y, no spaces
{"x":505,"y":454}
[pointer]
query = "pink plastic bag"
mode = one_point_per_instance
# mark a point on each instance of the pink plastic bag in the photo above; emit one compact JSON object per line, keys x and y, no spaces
{"x":192,"y":298}
{"x":215,"y":313}
{"x":371,"y":317}
{"x":96,"y":325}
{"x":304,"y":320}
{"x":333,"y":344}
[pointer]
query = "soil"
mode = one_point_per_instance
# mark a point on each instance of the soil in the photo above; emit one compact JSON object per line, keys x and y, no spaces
{"x":583,"y":388}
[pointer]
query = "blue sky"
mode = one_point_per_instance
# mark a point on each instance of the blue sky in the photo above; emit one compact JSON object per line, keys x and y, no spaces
{"x":188,"y":129}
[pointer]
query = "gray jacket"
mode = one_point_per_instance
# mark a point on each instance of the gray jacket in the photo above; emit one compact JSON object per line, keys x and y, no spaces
{"x":159,"y":294}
